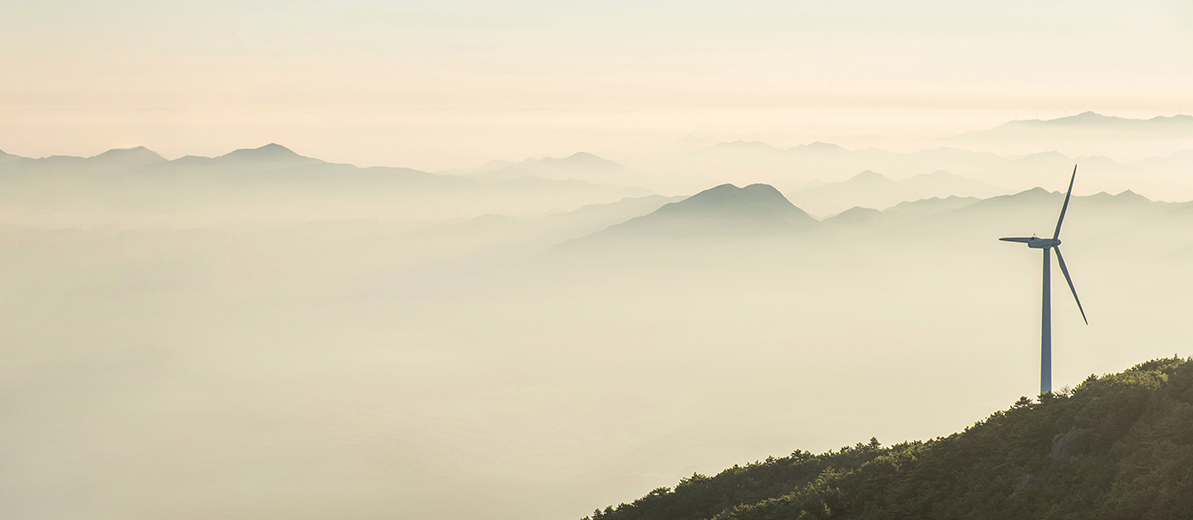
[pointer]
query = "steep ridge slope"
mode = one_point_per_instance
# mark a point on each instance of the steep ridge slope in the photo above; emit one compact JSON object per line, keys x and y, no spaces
{"x":1119,"y":446}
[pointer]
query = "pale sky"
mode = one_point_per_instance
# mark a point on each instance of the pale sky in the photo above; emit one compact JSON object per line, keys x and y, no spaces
{"x":437,"y":85}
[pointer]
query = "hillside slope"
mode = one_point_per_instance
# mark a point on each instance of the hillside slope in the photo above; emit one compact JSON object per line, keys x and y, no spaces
{"x":1116,"y":447}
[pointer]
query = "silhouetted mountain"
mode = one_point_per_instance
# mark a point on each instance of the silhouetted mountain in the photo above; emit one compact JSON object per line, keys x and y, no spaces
{"x":1092,"y":220}
{"x":1128,"y":198}
{"x":1147,"y":163}
{"x":798,"y":165}
{"x":242,"y":161}
{"x":112,"y":161}
{"x":579,"y":161}
{"x":931,"y":205}
{"x":1091,"y":122}
{"x":899,"y":220}
{"x":866,"y":189}
{"x":819,"y":148}
{"x":853,"y":216}
{"x":269,"y":152}
{"x":130,"y":157}
{"x":904,"y":214}
{"x":1087,"y":133}
{"x":723,"y":210}
{"x":872,"y":190}
{"x":1117,"y":446}
{"x":144,"y":160}
{"x":270,"y":182}
{"x":1032,"y":197}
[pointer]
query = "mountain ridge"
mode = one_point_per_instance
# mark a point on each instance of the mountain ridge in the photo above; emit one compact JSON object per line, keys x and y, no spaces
{"x":1116,"y":446}
{"x":874,"y":190}
{"x":1087,"y":133}
{"x":1091,"y":119}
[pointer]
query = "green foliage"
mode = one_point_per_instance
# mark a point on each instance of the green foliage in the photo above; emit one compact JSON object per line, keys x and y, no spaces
{"x":1115,"y":447}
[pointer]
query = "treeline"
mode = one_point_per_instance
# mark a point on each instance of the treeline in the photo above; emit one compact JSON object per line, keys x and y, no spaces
{"x":1115,"y":447}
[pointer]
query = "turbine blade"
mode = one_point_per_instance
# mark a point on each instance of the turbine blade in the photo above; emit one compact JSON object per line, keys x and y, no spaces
{"x":1060,"y":220}
{"x":1065,"y":270}
{"x":1016,"y":239}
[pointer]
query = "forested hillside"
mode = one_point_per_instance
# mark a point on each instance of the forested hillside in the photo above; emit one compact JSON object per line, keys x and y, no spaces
{"x":1115,"y":447}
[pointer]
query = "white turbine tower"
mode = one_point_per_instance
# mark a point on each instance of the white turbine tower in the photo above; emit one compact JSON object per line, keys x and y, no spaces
{"x":1046,"y":314}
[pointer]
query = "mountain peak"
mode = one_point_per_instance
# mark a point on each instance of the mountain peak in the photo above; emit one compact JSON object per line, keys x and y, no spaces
{"x":1128,"y":195}
{"x":869,"y":176}
{"x":818,"y":147}
{"x":585,"y":156}
{"x":854,"y":215}
{"x":269,"y":152}
{"x":1090,"y":115}
{"x":138,"y":155}
{"x":579,"y":159}
{"x":731,"y":194}
{"x":721,"y":210}
{"x":1094,"y":120}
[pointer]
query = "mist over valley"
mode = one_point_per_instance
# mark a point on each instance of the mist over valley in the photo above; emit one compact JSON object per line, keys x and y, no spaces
{"x":267,"y":335}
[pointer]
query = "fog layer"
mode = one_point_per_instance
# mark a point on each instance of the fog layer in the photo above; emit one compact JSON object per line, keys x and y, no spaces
{"x":528,"y":366}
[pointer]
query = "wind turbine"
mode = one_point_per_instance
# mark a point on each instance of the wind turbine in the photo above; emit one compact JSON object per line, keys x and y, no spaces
{"x":1048,"y":244}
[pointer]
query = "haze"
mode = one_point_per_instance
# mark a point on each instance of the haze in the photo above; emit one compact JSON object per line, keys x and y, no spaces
{"x":442,"y":85}
{"x":358,"y":260}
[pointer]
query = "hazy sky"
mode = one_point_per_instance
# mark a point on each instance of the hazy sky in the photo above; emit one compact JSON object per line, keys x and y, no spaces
{"x":195,"y":348}
{"x":440,"y":84}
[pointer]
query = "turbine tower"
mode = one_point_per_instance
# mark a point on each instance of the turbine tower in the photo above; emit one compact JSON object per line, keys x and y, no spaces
{"x":1046,"y":312}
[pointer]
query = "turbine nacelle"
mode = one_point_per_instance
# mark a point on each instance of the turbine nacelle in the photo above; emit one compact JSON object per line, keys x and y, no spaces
{"x":1034,"y":242}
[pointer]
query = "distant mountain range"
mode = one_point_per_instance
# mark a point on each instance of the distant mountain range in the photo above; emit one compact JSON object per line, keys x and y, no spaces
{"x":873,"y":190}
{"x":266,"y":183}
{"x":1030,"y":211}
{"x":141,"y":159}
{"x":826,"y":162}
{"x":1087,"y":133}
{"x":820,"y":178}
{"x":1163,"y":175}
{"x":1091,"y":123}
{"x":760,"y":210}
